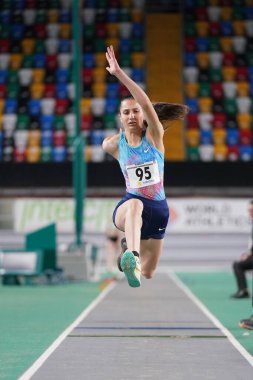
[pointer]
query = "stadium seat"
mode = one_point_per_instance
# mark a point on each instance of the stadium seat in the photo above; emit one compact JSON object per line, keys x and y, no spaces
{"x":243,"y":104}
{"x":233,"y":153}
{"x":191,"y":90}
{"x":244,"y":120}
{"x":193,"y":137}
{"x":232,"y":136}
{"x":220,"y":152}
{"x":206,"y":152}
{"x":246,"y":152}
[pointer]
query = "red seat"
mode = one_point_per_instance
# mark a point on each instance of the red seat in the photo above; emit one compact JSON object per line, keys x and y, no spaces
{"x":19,"y":155}
{"x":101,"y":30}
{"x":219,"y":120}
{"x":40,"y":31}
{"x":86,"y":122}
{"x":201,"y":13}
{"x":3,"y":91}
{"x":214,"y":28}
{"x":228,"y":58}
{"x":123,"y":91}
{"x":245,"y":136}
{"x":4,"y":46}
{"x":87,"y":76}
{"x":241,"y":74}
{"x":59,"y":138}
{"x":52,"y":62}
{"x":49,"y":91}
{"x":192,"y":120}
{"x":233,"y":153}
{"x":217,"y":91}
{"x":61,"y":106}
{"x":190,"y":44}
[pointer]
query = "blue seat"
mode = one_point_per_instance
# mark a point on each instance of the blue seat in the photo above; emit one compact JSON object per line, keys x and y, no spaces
{"x":96,"y":137}
{"x":3,"y":76}
{"x":62,"y":75}
{"x":248,"y":13}
{"x":206,"y":137}
{"x":232,"y":136}
{"x":17,"y":31}
{"x":250,"y":73}
{"x":59,"y":153}
{"x":62,"y":91}
{"x":111,"y":105}
{"x":138,"y":29}
{"x":226,"y":28}
{"x":112,"y":15}
{"x":19,"y":4}
{"x":46,"y":138}
{"x":64,"y":46}
{"x":10,"y":106}
{"x":90,"y":3}
{"x":246,"y":152}
{"x":47,"y":122}
{"x":251,"y":88}
{"x":39,"y":60}
{"x":138,"y":74}
{"x":202,"y":44}
{"x":34,"y":107}
{"x":193,"y":105}
{"x":125,"y":45}
{"x":5,"y":17}
{"x":64,"y":16}
{"x":112,"y":90}
{"x":88,"y":60}
{"x":190,"y":59}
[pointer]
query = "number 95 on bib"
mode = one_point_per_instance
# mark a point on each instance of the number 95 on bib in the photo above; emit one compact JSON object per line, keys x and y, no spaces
{"x":143,"y":175}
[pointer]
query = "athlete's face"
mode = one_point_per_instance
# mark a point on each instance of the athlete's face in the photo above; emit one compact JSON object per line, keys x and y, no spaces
{"x":131,"y":115}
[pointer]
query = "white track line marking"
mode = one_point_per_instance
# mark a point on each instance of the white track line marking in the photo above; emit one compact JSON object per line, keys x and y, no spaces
{"x":38,"y":363}
{"x":215,"y":321}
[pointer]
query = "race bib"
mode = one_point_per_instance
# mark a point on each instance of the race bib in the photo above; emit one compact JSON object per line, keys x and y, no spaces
{"x":143,"y":175}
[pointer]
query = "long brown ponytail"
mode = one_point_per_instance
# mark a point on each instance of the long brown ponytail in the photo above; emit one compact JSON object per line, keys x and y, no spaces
{"x":167,"y":112}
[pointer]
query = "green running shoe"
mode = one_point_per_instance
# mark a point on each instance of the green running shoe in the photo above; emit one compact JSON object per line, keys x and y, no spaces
{"x":131,"y":266}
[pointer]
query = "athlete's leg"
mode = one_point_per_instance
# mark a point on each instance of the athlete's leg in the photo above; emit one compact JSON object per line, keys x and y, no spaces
{"x":150,"y":253}
{"x":129,"y":219}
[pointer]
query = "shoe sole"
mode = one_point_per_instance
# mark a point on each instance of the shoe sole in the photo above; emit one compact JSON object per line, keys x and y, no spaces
{"x":128,"y":265}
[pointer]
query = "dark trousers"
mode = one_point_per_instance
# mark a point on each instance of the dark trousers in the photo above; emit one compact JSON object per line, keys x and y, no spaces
{"x":240,"y":267}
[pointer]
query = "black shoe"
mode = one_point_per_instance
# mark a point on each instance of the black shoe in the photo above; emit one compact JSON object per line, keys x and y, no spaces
{"x":241,"y":294}
{"x":247,"y":323}
{"x":123,"y":249}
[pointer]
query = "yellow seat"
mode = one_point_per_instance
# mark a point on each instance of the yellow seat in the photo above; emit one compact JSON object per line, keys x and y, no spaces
{"x":37,"y":90}
{"x":52,"y":16}
{"x":213,"y":2}
{"x":137,"y":15}
{"x":220,"y":152}
{"x":202,"y":28}
{"x":16,"y":61}
{"x":100,"y":60}
{"x":203,"y":60}
{"x":226,"y":44}
{"x":228,"y":73}
{"x":38,"y":75}
{"x":244,"y":120}
{"x":192,"y":136}
{"x":34,"y":138}
{"x":88,"y":153}
{"x":28,"y":45}
{"x":219,"y":136}
{"x":239,"y":27}
{"x":192,"y":89}
{"x":248,"y":3}
{"x":242,"y":88}
{"x":226,"y":13}
{"x":99,"y":75}
{"x":65,"y":31}
{"x":99,"y":90}
{"x":112,"y":29}
{"x":1,"y":106}
{"x":1,"y":122}
{"x":125,"y":3}
{"x":33,"y":154}
{"x":85,"y":106}
{"x":113,"y":41}
{"x":205,"y":104}
{"x":138,"y":60}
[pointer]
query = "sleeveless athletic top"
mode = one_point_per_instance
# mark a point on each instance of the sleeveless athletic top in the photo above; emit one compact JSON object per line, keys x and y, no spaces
{"x":143,"y":168}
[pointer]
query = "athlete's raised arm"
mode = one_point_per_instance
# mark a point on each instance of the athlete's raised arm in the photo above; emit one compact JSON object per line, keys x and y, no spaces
{"x":155,"y":128}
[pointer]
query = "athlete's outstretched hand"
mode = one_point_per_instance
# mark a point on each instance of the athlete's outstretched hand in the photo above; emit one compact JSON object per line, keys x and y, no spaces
{"x":113,"y":67}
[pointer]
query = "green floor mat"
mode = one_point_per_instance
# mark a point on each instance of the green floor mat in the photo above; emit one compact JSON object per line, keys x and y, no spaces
{"x":214,"y":290}
{"x":32,"y":317}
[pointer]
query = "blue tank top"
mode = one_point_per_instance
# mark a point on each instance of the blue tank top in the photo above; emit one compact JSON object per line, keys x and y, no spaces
{"x":143,"y":168}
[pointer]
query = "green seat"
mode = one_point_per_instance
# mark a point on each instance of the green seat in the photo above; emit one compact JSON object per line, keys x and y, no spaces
{"x":39,"y":46}
{"x":230,"y":106}
{"x":124,"y":15}
{"x":214,"y":44}
{"x":4,"y":31}
{"x":249,"y":57}
{"x":204,"y":89}
{"x":41,"y":16}
{"x":59,"y":122}
{"x":190,"y":28}
{"x":101,"y":4}
{"x":23,"y":122}
{"x":137,"y":45}
{"x":100,"y":45}
{"x":12,"y":76}
{"x":46,"y":154}
{"x":110,"y":121}
{"x":54,"y":4}
{"x":238,"y":13}
{"x":13,"y":90}
{"x":27,"y":62}
{"x":216,"y":75}
{"x":89,"y":31}
{"x":125,"y":60}
{"x":70,"y":140}
{"x":202,"y":3}
{"x":6,"y":4}
{"x":192,"y":153}
{"x":238,"y":3}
